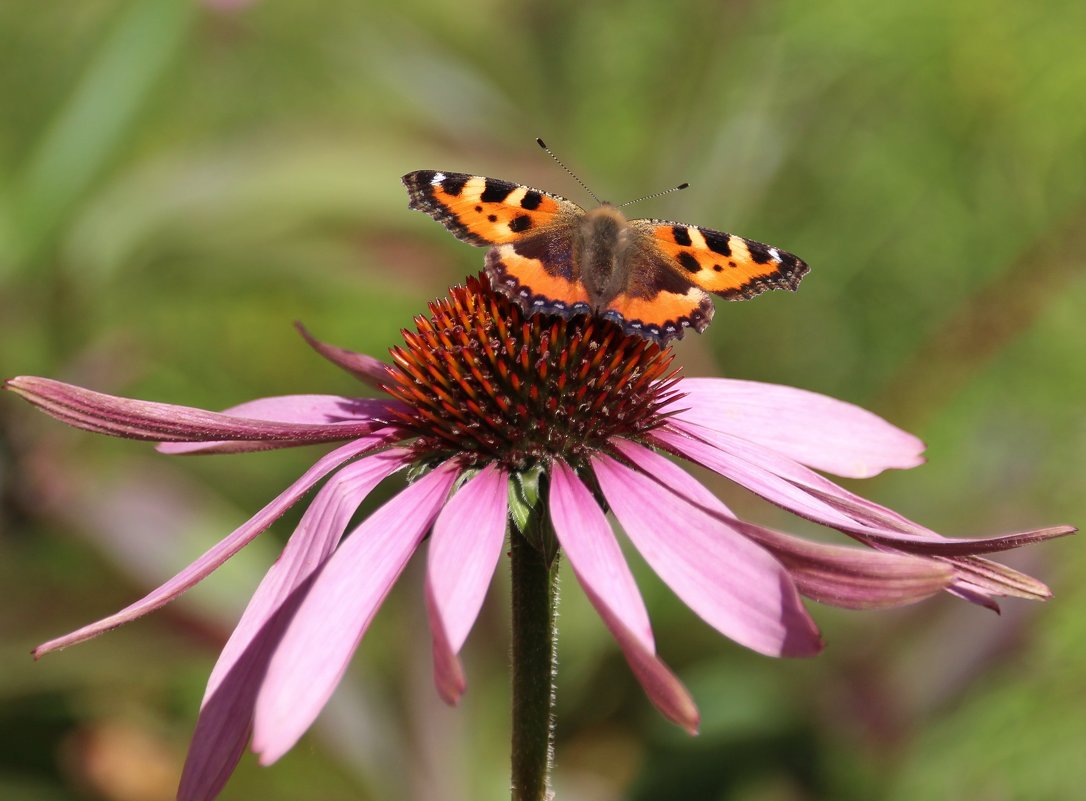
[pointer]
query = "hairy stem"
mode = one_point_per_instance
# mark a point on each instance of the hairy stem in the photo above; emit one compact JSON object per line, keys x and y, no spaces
{"x":535,"y":601}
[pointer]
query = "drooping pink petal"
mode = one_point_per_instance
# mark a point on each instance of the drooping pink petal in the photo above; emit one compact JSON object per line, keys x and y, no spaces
{"x":597,"y":561}
{"x":312,"y":543}
{"x":992,"y":578}
{"x":216,"y":555}
{"x":464,"y":549}
{"x":166,"y":422}
{"x":800,"y":490}
{"x":831,"y":574}
{"x":448,"y":669}
{"x":365,"y":368}
{"x":754,"y":477}
{"x":730,"y":582}
{"x":330,"y":622}
{"x":882,"y":526}
{"x":815,"y":430}
{"x":303,"y":409}
{"x":226,"y":715}
{"x":851,"y":577}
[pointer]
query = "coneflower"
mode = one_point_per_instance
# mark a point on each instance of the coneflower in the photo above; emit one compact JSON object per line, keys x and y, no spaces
{"x":532,"y":428}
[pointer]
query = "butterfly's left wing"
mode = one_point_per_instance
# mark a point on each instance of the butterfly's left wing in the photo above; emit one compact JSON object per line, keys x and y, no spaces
{"x":531,"y":233}
{"x":485,"y":211}
{"x":724,"y":264}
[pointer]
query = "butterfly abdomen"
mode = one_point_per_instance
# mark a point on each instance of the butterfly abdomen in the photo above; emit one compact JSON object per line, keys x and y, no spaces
{"x":600,"y":241}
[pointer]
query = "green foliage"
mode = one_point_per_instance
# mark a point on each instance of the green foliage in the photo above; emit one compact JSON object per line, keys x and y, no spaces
{"x":179,"y":181}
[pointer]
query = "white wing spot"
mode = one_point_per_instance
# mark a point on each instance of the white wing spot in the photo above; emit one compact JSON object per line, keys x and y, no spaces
{"x":775,"y":254}
{"x":437,"y":179}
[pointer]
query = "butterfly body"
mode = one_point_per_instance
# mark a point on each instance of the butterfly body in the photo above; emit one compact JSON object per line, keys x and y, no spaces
{"x":652,"y":277}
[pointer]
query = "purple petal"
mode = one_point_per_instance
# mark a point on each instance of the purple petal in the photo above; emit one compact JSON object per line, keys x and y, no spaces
{"x":992,"y":578}
{"x":464,"y":550}
{"x":304,"y":409}
{"x":777,"y":470}
{"x":831,"y":574}
{"x":448,"y":670}
{"x":593,"y":552}
{"x":853,"y":578}
{"x":880,"y":525}
{"x":670,"y":475}
{"x":166,"y":422}
{"x":597,"y":561}
{"x":214,"y":557}
{"x":311,"y":544}
{"x":756,"y":478}
{"x":226,"y":715}
{"x":730,"y":582}
{"x":333,"y":617}
{"x":813,"y":429}
{"x":365,"y":368}
{"x":800,"y":490}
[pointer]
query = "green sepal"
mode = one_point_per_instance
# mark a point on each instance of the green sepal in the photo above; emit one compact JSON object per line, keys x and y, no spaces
{"x":528,"y":511}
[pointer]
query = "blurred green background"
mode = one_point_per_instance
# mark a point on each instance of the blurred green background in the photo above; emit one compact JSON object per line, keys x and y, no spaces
{"x":179,"y":181}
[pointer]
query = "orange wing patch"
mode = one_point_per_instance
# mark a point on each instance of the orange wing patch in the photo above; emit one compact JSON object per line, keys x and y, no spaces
{"x":535,"y":281}
{"x":483,"y":211}
{"x":664,"y":316}
{"x":725,"y":264}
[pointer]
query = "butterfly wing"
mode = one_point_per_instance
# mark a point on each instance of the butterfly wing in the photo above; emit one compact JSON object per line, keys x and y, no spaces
{"x":530,"y":231}
{"x":657,"y":302}
{"x":485,"y":211}
{"x":724,"y":264}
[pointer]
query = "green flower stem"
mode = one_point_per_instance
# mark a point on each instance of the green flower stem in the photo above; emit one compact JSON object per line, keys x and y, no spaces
{"x":535,"y":601}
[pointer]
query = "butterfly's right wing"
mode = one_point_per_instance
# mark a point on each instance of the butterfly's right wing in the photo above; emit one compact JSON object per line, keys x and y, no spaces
{"x":731,"y":266}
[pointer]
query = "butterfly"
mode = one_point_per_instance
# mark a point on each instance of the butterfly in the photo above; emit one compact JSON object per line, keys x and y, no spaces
{"x":652,"y":277}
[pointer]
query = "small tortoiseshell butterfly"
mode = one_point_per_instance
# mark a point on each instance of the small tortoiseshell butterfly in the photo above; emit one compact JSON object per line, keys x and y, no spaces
{"x":549,"y":255}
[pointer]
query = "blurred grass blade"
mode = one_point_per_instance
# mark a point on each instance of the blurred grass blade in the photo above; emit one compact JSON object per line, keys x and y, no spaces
{"x":98,"y":117}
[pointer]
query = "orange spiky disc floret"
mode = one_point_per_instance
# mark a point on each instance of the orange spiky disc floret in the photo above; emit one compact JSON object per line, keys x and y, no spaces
{"x":491,"y":385}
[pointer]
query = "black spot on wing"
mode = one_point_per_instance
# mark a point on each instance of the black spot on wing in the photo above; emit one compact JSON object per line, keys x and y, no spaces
{"x":454,"y":184}
{"x":759,"y":253}
{"x":716,"y":241}
{"x":520,"y":223}
{"x":652,"y":273}
{"x":496,"y":191}
{"x":689,"y":263}
{"x":531,"y":200}
{"x":787,"y":275}
{"x":422,"y":197}
{"x":681,"y":235}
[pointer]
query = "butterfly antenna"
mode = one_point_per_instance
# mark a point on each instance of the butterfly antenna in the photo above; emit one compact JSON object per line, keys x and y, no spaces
{"x":678,"y":188}
{"x":584,"y":186}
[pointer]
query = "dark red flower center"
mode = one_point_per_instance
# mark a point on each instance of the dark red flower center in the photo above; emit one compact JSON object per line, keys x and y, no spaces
{"x":487,"y":383}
